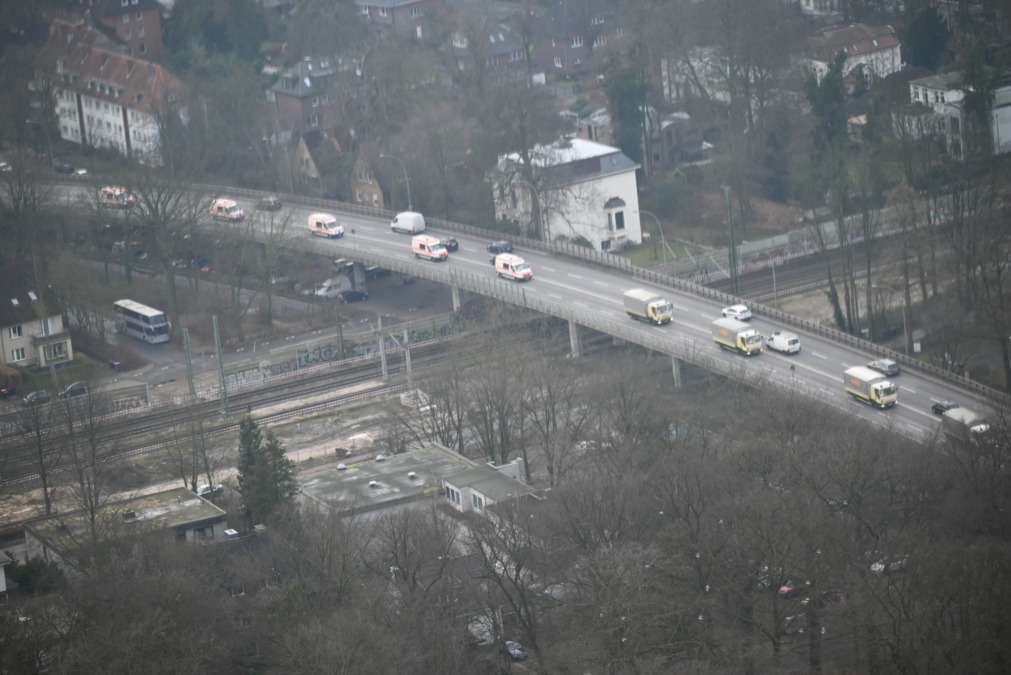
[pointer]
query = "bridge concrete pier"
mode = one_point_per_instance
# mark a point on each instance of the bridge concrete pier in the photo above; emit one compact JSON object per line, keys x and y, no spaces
{"x":456,"y":298}
{"x":678,"y":368}
{"x":575,"y":351}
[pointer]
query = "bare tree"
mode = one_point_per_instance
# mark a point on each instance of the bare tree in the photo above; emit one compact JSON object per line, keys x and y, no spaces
{"x":34,"y":426}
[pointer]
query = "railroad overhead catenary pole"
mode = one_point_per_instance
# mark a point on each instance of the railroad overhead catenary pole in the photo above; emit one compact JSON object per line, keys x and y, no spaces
{"x":407,"y":180}
{"x":735,"y":288}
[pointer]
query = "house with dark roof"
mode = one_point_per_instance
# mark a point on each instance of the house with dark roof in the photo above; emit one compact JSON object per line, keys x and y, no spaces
{"x":572,"y":35}
{"x":311,"y":94}
{"x":580,"y":190}
{"x":137,"y":23}
{"x":484,"y":52}
{"x":106,"y":98}
{"x":872,"y":52}
{"x":32,"y":333}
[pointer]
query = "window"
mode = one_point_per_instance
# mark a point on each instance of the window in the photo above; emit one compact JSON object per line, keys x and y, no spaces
{"x":18,"y":354}
{"x":140,"y":16}
{"x":15,"y":332}
{"x":619,"y":220}
{"x":363,"y":9}
{"x":382,"y":11}
{"x":140,"y":32}
{"x":558,"y":62}
{"x":126,"y":18}
{"x":54,"y":352}
{"x":599,"y":41}
{"x":478,"y":502}
{"x":126,"y":34}
{"x":577,"y":41}
{"x":315,"y":101}
{"x":358,"y":195}
{"x":417,"y":12}
{"x":47,"y":327}
{"x":619,"y":32}
{"x":375,"y":200}
{"x":597,"y":21}
{"x":324,"y":99}
{"x":143,"y":49}
{"x":312,"y":120}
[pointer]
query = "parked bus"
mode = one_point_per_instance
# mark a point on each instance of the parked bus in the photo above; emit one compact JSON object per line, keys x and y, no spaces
{"x":140,"y":321}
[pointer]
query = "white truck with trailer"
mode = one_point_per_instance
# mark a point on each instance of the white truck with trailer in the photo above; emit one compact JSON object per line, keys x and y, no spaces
{"x":963,"y":425}
{"x":781,"y":341}
{"x":871,"y":387}
{"x":647,"y":305}
{"x":737,"y":336}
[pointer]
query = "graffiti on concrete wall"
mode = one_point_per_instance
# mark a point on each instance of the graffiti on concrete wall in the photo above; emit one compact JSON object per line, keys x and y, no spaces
{"x":303,"y":358}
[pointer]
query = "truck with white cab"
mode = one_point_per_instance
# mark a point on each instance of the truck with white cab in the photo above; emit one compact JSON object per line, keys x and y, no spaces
{"x":647,"y":305}
{"x":964,"y":425}
{"x":737,"y":336}
{"x":871,"y":387}
{"x":781,"y":341}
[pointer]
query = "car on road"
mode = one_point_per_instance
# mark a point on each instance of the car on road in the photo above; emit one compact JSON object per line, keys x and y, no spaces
{"x":450,"y":243}
{"x":64,"y":168}
{"x":74,"y":389}
{"x":885,"y":366}
{"x":739,"y":312}
{"x":209,"y":490}
{"x":353,"y":296}
{"x":4,"y":166}
{"x":80,"y":172}
{"x":940,"y":407}
{"x":269,"y":204}
{"x":515,"y":650}
{"x":500,"y":247}
{"x":36,"y":398}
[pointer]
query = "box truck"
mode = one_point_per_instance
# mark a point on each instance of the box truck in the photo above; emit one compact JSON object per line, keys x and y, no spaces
{"x":963,"y":425}
{"x":737,"y":336}
{"x":647,"y":306}
{"x":871,"y":387}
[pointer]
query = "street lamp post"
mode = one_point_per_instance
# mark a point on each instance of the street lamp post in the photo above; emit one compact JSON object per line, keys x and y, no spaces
{"x":663,"y":239}
{"x":49,"y":141}
{"x":407,"y":180}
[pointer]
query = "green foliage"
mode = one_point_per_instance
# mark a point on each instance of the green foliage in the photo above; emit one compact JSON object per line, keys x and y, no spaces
{"x":979,"y":83}
{"x":925,"y":39}
{"x":35,"y":575}
{"x":197,"y":28}
{"x":266,"y":475}
{"x":626,"y":95}
{"x":828,"y":101}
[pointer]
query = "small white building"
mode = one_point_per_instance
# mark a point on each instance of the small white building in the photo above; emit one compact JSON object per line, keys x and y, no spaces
{"x":475,"y":488}
{"x":581,"y":191}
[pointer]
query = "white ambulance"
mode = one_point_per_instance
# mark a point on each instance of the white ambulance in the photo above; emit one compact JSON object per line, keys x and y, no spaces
{"x":511,"y":266}
{"x":325,"y":225}
{"x":427,"y":246}
{"x":226,"y":209}
{"x":116,"y":197}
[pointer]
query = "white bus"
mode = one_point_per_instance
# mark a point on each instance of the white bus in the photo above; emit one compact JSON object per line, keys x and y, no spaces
{"x":140,"y":321}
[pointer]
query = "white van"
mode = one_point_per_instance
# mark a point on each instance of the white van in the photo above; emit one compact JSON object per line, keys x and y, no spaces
{"x":427,"y":246}
{"x":325,"y":225}
{"x":226,"y":209}
{"x":511,"y":266}
{"x":331,"y":288}
{"x":409,"y":222}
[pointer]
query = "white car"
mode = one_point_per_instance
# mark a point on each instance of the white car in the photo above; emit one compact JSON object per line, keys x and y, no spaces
{"x":739,"y":312}
{"x":208,"y":490}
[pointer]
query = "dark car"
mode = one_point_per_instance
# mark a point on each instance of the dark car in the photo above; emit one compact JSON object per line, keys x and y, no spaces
{"x":450,"y":243}
{"x":36,"y":398}
{"x":75,"y":389}
{"x":941,"y":407}
{"x":353,"y":296}
{"x":269,"y":204}
{"x":500,"y":247}
{"x":64,"y":168}
{"x":885,"y":366}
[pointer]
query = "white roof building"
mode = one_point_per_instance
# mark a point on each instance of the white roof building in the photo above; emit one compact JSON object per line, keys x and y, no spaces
{"x":581,"y":191}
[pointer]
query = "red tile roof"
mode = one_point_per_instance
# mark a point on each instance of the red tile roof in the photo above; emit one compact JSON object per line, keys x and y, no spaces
{"x":854,"y":40}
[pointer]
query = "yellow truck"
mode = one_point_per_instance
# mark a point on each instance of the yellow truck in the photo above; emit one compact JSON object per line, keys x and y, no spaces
{"x":737,"y":336}
{"x":647,"y":306}
{"x":871,"y":387}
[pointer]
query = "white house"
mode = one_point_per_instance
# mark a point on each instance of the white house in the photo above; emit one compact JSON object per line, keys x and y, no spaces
{"x":580,"y":190}
{"x":475,"y":488}
{"x":106,"y":98}
{"x":871,"y":51}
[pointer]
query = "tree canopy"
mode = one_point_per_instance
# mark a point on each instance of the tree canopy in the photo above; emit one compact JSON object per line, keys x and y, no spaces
{"x":266,"y":475}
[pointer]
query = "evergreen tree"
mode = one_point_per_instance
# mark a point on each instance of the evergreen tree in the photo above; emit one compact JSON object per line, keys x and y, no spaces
{"x":925,"y":39}
{"x":626,"y":95}
{"x":266,"y":475}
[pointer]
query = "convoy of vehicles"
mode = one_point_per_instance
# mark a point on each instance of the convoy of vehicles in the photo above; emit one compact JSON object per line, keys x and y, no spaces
{"x":325,"y":225}
{"x":408,"y":222}
{"x":963,"y":425}
{"x":511,"y":266}
{"x":226,"y":209}
{"x":737,"y":336}
{"x":427,"y":246}
{"x":141,"y":322}
{"x":781,"y":341}
{"x":870,"y":386}
{"x":647,"y":305}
